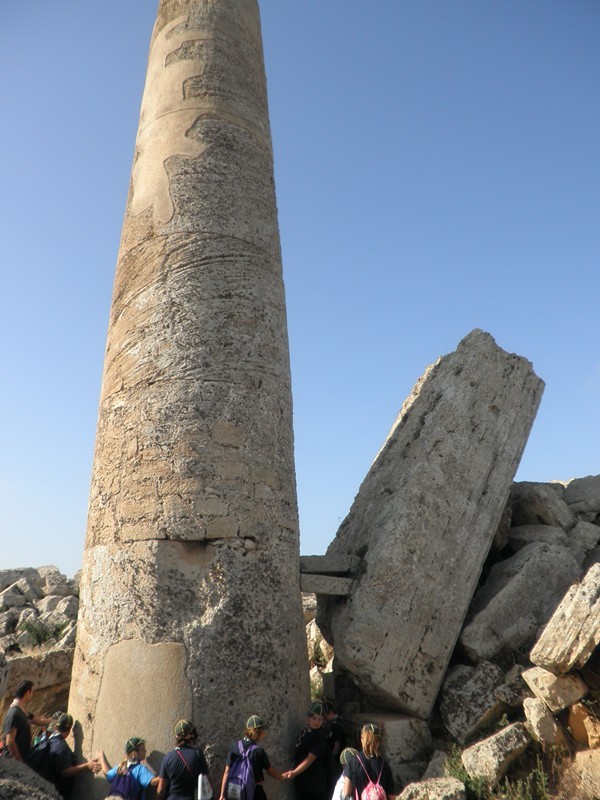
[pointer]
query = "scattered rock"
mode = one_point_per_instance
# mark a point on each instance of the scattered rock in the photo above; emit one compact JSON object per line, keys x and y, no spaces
{"x":542,"y":724}
{"x":491,"y":758}
{"x":557,"y":692}
{"x":469,"y":702}
{"x":434,"y":789}
{"x":519,"y":596}
{"x":540,"y":504}
{"x":573,"y":632}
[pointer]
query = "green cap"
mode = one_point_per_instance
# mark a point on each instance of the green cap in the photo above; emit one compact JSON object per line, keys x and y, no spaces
{"x":316,"y":710}
{"x":133,"y":743}
{"x":64,"y":722}
{"x":184,"y":728}
{"x":347,"y":754}
{"x":372,"y":728}
{"x":256,"y":722}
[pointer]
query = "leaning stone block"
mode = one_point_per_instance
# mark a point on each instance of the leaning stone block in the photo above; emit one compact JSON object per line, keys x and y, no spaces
{"x":11,"y":598}
{"x":592,"y":727}
{"x":557,"y":692}
{"x":468,"y":701}
{"x":424,"y":520}
{"x":575,"y":723}
{"x":542,"y":724}
{"x":573,"y":632}
{"x":491,"y":758}
{"x":519,"y":596}
{"x":434,"y":789}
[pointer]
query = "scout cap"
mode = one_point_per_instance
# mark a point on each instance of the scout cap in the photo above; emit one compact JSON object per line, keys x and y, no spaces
{"x":316,"y":710}
{"x":133,"y":743}
{"x":347,"y":754}
{"x":256,"y":722}
{"x":64,"y":722}
{"x":184,"y":728}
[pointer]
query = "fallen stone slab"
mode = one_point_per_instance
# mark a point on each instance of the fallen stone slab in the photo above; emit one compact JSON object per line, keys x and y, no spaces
{"x":468,"y":699}
{"x":326,"y":584}
{"x":434,"y":789}
{"x":540,"y":504}
{"x":556,"y":691}
{"x":544,"y":728}
{"x":573,"y":632}
{"x":577,"y":715}
{"x":517,"y":599}
{"x":329,"y":565}
{"x":424,"y":520}
{"x":491,"y":758}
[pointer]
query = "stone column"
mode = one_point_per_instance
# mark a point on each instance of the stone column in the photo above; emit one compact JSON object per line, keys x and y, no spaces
{"x":190,"y":602}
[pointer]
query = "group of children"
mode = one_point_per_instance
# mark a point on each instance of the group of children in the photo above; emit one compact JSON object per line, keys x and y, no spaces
{"x":324,"y":768}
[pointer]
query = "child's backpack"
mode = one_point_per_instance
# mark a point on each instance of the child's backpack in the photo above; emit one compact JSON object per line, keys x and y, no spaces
{"x":373,"y":790}
{"x":38,"y":757}
{"x":124,"y":785}
{"x":240,"y":780}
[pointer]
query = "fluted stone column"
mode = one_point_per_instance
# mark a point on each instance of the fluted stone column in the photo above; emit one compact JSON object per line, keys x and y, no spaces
{"x":190,"y":603}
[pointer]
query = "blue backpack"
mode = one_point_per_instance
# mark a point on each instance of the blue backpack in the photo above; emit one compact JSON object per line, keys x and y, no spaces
{"x":240,"y":780}
{"x":125,"y":785}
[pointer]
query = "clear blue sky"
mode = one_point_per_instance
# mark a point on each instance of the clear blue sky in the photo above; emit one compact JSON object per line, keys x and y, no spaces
{"x":437,"y":168}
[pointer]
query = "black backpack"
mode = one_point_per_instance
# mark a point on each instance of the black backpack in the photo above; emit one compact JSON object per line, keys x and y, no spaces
{"x":38,"y":758}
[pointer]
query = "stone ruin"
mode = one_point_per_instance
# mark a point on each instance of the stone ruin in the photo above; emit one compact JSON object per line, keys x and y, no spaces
{"x":444,"y":573}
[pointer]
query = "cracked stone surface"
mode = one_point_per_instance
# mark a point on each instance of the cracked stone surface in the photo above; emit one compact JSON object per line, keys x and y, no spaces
{"x":192,"y":553}
{"x":424,"y":520}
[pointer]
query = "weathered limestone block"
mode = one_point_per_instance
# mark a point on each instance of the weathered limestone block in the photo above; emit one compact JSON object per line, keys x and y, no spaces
{"x":518,"y":597}
{"x":329,"y":565}
{"x":540,"y":504}
{"x":438,"y":766}
{"x":11,"y":576}
{"x":526,"y":534}
{"x":53,"y":581}
{"x":583,"y":496}
{"x":19,"y":782}
{"x":318,"y":648}
{"x":434,"y":789}
{"x":309,"y":606}
{"x":11,"y":598}
{"x":557,"y":692}
{"x":407,"y":739}
{"x":542,"y":724}
{"x":424,"y":520}
{"x":27,"y":588}
{"x":573,"y":632}
{"x":583,"y":539}
{"x":491,"y":758}
{"x":51,"y":673}
{"x":48,"y":603}
{"x":326,"y":584}
{"x":575,"y":723}
{"x":8,"y":621}
{"x":469,"y":701}
{"x":592,"y":727}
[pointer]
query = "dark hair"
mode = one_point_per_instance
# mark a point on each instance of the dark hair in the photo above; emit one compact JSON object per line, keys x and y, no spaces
{"x":23,"y":688}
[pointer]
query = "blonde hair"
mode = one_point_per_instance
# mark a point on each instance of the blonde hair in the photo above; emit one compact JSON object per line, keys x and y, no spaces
{"x":370,"y":739}
{"x":252,"y":733}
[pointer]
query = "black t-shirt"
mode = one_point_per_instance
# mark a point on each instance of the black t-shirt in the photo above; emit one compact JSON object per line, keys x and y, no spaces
{"x":183,"y":779}
{"x":373,"y":766}
{"x":314,"y":779}
{"x":16,"y":718}
{"x":60,"y":758}
{"x":257,"y":757}
{"x":337,"y":734}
